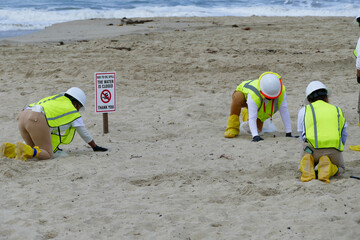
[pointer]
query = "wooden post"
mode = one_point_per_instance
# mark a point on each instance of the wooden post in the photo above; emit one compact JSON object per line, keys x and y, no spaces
{"x":105,"y":123}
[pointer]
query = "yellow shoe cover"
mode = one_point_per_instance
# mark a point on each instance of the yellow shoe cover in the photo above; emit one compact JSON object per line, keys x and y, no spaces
{"x":24,"y":152}
{"x":7,"y":150}
{"x":307,"y":168}
{"x":355,"y":148}
{"x":326,"y":169}
{"x":232,"y":128}
{"x":245,"y":115}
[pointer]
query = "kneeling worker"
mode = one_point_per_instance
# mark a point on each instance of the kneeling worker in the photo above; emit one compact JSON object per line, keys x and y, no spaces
{"x":322,"y":128}
{"x":46,"y":124}
{"x":261,"y":98}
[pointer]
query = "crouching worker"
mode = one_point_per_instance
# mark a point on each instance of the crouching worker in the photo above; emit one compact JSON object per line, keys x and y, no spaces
{"x":322,"y":128}
{"x":46,"y":124}
{"x":260,"y":98}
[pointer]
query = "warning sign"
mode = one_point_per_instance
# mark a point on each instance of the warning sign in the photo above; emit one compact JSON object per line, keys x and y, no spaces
{"x":105,"y":94}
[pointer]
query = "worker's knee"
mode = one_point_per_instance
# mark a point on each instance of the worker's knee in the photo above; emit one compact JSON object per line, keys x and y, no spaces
{"x":239,"y":99}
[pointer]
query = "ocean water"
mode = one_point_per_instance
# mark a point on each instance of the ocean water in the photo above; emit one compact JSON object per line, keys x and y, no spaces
{"x":19,"y":17}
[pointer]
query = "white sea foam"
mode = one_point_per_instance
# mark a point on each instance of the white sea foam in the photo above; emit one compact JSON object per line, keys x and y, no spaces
{"x":35,"y":19}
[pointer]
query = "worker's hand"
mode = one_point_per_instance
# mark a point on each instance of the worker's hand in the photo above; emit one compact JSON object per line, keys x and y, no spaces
{"x":257,"y":139}
{"x":99,"y":149}
{"x":289,"y":135}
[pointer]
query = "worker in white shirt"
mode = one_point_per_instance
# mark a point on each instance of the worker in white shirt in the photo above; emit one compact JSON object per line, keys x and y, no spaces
{"x":357,"y":63}
{"x":260,"y":99}
{"x":46,"y":124}
{"x":322,"y":128}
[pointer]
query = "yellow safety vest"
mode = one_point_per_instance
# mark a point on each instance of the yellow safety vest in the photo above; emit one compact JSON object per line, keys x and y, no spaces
{"x":355,"y":52}
{"x":59,"y":111}
{"x":264,"y":111}
{"x":323,"y":125}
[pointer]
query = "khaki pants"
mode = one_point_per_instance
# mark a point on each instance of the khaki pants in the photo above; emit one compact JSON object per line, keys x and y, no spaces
{"x":335,"y":156}
{"x":36,"y":132}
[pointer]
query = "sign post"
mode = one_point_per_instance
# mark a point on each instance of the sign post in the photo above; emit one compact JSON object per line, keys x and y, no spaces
{"x":105,"y":95}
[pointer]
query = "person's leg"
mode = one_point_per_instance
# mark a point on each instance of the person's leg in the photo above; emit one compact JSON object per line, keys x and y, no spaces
{"x":238,"y":101}
{"x":259,"y":125}
{"x":23,"y":116}
{"x":331,"y":163}
{"x":307,"y":168}
{"x":307,"y":163}
{"x":326,"y":169}
{"x":335,"y":156}
{"x":36,"y":132}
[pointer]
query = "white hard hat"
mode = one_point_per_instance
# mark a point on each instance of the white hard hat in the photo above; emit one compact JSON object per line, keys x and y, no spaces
{"x":270,"y":85}
{"x":314,"y":86}
{"x":78,"y":94}
{"x":357,"y":19}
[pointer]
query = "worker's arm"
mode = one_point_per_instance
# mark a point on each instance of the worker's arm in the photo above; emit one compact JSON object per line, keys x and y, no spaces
{"x":252,"y":110}
{"x":285,"y":116}
{"x":85,"y":135}
{"x":300,"y":124}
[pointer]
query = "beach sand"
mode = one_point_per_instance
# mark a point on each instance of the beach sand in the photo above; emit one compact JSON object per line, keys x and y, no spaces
{"x":169,"y":172}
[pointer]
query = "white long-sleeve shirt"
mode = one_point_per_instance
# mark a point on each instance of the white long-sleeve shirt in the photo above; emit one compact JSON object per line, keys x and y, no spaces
{"x":358,"y":54}
{"x":80,"y":128}
{"x":253,"y":110}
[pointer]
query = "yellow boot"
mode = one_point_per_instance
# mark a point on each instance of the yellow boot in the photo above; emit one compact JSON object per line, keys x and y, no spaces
{"x":326,"y":169}
{"x":24,"y":152}
{"x":307,"y":168}
{"x":232,"y":128}
{"x":354,"y":148}
{"x":7,"y":150}
{"x":245,"y":114}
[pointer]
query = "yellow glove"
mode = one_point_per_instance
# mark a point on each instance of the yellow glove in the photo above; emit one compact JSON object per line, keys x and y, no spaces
{"x":355,"y":148}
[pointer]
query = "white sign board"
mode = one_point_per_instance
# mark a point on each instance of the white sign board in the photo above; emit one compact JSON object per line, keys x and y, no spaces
{"x":105,"y":92}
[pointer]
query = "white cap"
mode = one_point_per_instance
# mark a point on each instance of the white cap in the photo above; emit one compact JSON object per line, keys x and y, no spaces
{"x":314,"y":86}
{"x":78,"y":94}
{"x":270,"y":85}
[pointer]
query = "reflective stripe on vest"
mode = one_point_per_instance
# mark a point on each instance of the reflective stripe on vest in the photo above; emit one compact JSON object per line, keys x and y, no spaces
{"x":58,"y":110}
{"x":66,"y":138}
{"x":323,"y":125}
{"x":355,"y":51}
{"x":264,"y":111}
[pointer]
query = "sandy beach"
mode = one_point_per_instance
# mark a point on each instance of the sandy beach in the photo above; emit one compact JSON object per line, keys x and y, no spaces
{"x":169,"y":172}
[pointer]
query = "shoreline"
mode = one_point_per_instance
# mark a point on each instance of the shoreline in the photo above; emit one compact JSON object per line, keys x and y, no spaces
{"x":16,"y":33}
{"x":169,"y":172}
{"x":91,"y":29}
